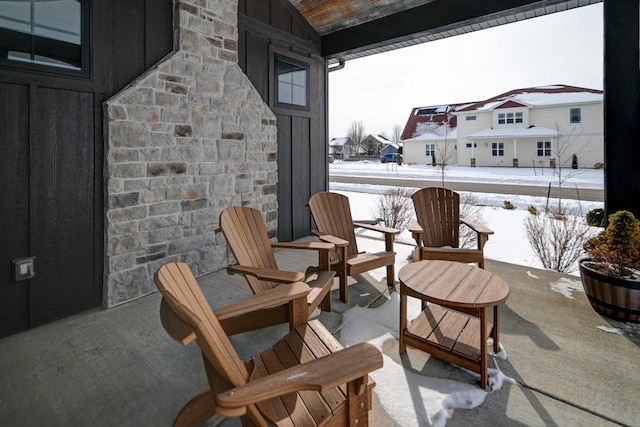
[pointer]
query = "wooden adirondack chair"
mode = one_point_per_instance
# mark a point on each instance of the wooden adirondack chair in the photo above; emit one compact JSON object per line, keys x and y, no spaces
{"x":332,"y":215}
{"x":305,"y":379}
{"x":437,"y":231}
{"x":247,"y":236}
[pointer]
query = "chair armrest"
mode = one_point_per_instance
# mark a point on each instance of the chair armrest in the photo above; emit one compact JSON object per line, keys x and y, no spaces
{"x":482,"y":231}
{"x":265,"y":299}
{"x":389,"y":233}
{"x":380,"y":228}
{"x":330,"y":239}
{"x":478,"y":228}
{"x":314,"y":246}
{"x":416,"y":231}
{"x":270,"y":275}
{"x":327,"y":372}
{"x":414,"y":227}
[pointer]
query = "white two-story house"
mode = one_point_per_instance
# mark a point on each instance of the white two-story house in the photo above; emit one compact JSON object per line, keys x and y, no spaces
{"x":546,"y":126}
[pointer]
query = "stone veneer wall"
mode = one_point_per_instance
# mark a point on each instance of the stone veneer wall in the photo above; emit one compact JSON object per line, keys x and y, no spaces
{"x":184,"y":141}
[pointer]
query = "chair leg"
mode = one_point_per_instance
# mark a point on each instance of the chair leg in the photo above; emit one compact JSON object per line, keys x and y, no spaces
{"x":325,"y":304}
{"x":357,"y":401}
{"x":343,"y":271}
{"x":391,"y":275}
{"x":344,"y":292}
{"x":197,"y":410}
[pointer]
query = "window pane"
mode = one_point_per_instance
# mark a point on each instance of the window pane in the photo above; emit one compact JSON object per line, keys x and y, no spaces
{"x":575,"y":115}
{"x":292,"y":82}
{"x":47,"y":33}
{"x":285,"y":93}
{"x":299,"y":96}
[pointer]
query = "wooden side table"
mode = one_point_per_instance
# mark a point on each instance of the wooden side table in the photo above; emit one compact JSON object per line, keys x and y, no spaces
{"x":453,"y":325}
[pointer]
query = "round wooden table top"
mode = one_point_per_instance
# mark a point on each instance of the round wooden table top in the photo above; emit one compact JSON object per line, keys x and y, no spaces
{"x":452,"y":284}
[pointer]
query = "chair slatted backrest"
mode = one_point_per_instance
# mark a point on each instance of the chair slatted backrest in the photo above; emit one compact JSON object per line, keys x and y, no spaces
{"x":438,"y":213}
{"x":332,"y":215}
{"x":181,"y":291}
{"x":247,"y":236}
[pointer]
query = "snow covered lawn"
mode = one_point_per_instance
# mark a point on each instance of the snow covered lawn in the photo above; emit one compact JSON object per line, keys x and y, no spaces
{"x":509,"y":243}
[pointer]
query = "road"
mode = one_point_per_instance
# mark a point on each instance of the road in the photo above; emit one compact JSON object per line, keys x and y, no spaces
{"x":589,"y":194}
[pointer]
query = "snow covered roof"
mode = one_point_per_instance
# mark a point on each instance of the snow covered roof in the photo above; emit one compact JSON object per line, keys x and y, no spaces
{"x":392,"y":144}
{"x":532,"y":132}
{"x":381,"y":139}
{"x":437,"y":114}
{"x":339,"y":141}
{"x":541,"y":96}
{"x":451,"y":135}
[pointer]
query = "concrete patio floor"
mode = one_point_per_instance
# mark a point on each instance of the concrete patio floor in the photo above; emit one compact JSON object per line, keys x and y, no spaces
{"x":117,"y":367}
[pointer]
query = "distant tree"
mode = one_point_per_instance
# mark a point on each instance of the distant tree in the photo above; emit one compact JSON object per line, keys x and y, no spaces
{"x":396,"y":133}
{"x":356,"y":134}
{"x":560,"y":152}
{"x":445,"y":152}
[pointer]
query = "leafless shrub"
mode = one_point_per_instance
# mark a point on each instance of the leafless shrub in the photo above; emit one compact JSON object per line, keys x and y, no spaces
{"x":394,"y":207}
{"x":557,"y":237}
{"x":470,"y":210}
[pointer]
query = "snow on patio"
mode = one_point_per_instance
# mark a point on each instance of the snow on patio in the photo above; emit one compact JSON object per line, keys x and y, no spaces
{"x":410,"y":398}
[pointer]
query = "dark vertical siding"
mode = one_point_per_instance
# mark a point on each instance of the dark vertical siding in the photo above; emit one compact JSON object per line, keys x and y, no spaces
{"x":14,"y":208}
{"x":300,"y":155}
{"x":51,"y":163}
{"x":257,"y":67}
{"x":280,"y":17}
{"x":62,"y":204}
{"x":128,"y":23}
{"x":319,"y":172}
{"x":242,"y":49}
{"x":158,"y":18}
{"x":267,"y":26}
{"x":258,"y":9}
{"x":285,"y":178}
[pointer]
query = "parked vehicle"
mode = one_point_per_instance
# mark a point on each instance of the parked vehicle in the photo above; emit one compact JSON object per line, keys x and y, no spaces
{"x":389,"y":158}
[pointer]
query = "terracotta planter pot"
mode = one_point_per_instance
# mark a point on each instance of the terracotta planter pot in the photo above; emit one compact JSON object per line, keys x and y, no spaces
{"x":616,"y":298}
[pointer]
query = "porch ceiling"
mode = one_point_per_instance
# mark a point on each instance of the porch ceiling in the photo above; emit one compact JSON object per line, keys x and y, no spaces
{"x":356,"y":28}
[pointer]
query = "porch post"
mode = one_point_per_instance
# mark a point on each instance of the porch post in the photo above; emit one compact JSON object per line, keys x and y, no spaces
{"x":515,"y":152}
{"x":621,"y":106}
{"x":473,"y":153}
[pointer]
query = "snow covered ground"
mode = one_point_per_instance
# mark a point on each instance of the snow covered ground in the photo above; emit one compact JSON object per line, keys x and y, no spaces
{"x":509,"y":243}
{"x":408,"y":398}
{"x":583,"y":178}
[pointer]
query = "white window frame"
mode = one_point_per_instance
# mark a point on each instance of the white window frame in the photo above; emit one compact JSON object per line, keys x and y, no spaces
{"x":497,"y":149}
{"x":543,"y":148}
{"x":470,"y":118}
{"x":430,"y":150}
{"x":510,"y":118}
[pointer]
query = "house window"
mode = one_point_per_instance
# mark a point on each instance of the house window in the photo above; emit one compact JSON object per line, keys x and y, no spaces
{"x":292,"y":83}
{"x":468,"y":145}
{"x":497,"y":149}
{"x":470,"y":118}
{"x":430,"y":150}
{"x":544,"y":148}
{"x":518,"y":116}
{"x":575,"y":115}
{"x":507,"y":118}
{"x":45,"y":35}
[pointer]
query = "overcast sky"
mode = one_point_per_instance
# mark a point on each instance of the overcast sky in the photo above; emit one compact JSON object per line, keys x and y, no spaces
{"x":381,"y":90}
